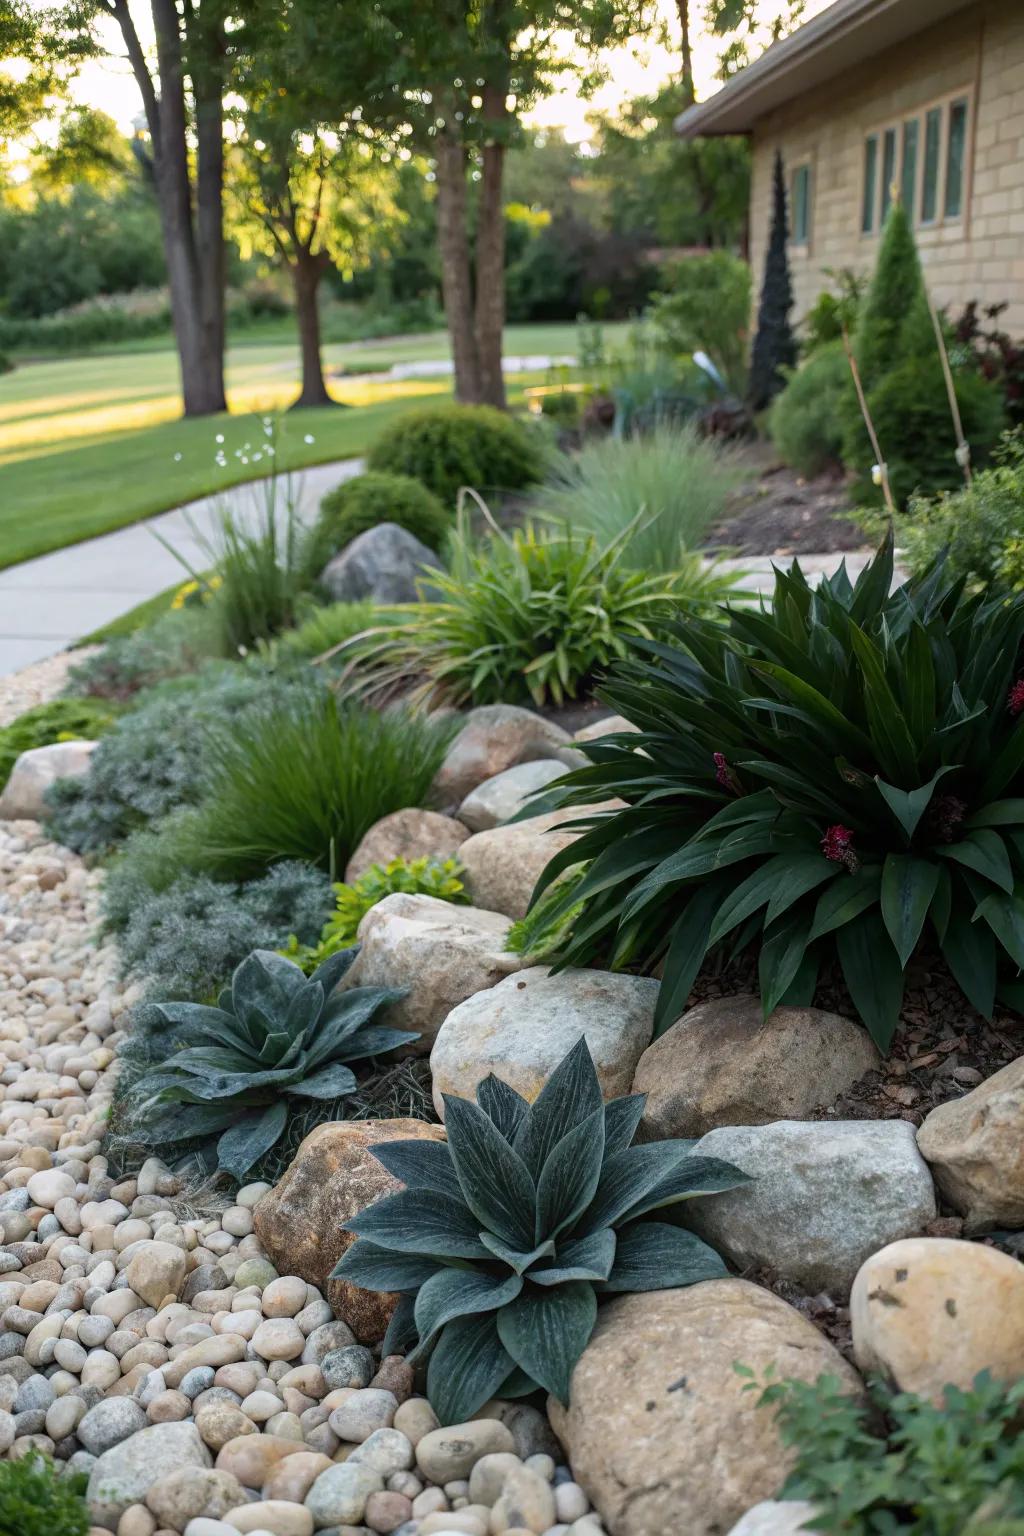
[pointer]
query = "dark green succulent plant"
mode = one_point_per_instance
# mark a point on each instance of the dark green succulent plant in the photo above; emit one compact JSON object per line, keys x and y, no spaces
{"x":274,"y":1036}
{"x":504,"y":1237}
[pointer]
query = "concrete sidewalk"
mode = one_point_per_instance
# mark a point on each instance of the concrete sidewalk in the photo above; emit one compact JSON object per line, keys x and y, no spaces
{"x":48,"y":603}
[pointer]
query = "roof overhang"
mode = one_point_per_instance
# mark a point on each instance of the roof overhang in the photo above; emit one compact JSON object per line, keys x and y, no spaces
{"x":846,"y":34}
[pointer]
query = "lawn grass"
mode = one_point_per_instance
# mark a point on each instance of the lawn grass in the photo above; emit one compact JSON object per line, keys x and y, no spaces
{"x":91,"y":444}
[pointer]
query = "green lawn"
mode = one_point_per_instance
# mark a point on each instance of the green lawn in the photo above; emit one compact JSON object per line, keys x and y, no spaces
{"x":89,"y":444}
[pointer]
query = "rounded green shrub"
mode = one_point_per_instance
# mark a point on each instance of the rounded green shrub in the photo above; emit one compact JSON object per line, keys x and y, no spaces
{"x":805,"y":420}
{"x":452,"y":446}
{"x":37,"y":1500}
{"x":366,"y":500}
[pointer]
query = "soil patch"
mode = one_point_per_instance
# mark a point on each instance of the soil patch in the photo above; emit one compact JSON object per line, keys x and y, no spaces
{"x":777,"y":512}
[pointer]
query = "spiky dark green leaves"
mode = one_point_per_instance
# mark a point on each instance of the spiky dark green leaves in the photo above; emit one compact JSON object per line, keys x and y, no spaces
{"x":506,"y":1234}
{"x":275,"y":1036}
{"x":838,"y":777}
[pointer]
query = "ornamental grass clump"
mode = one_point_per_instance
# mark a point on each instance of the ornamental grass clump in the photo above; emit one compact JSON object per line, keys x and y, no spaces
{"x":506,"y":1234}
{"x":235,"y":1071}
{"x":838,"y":777}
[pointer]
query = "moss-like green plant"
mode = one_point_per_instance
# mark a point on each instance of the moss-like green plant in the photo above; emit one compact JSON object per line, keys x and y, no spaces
{"x":36,"y":1500}
{"x":441,"y":878}
{"x":56,"y":720}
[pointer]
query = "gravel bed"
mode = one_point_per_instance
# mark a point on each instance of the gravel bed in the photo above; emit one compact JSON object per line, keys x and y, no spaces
{"x":148,"y":1341}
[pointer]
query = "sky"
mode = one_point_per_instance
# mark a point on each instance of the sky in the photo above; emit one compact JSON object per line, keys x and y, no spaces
{"x":108,"y":83}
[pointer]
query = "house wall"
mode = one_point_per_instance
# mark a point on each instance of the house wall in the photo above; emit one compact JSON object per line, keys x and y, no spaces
{"x":980,"y":52}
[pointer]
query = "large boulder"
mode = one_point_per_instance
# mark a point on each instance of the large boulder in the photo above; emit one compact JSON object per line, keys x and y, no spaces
{"x":441,"y":952}
{"x":660,"y":1431}
{"x":333,"y":1176}
{"x":408,"y":834}
{"x":504,"y":864}
{"x":933,"y":1311}
{"x":385,"y":564}
{"x":975,"y":1149}
{"x":724,"y":1063}
{"x":824,"y":1195}
{"x":494,"y":737}
{"x":125,"y":1474}
{"x":522,"y":1028}
{"x":497,"y":800}
{"x":23,"y":798}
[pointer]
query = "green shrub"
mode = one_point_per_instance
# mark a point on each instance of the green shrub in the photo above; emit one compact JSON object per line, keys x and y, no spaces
{"x":186,"y":940}
{"x":806,"y":419}
{"x":56,"y":720}
{"x":978,"y":525}
{"x":37,"y":1500}
{"x":506,"y":1234}
{"x":440,"y":878}
{"x":895,"y":289}
{"x":832,"y":313}
{"x":274,"y":1036}
{"x":910,"y":410}
{"x":154,"y":759}
{"x":366,"y":500}
{"x":534,"y":616}
{"x":707,"y":307}
{"x":819,"y":779}
{"x":305,"y":780}
{"x":174,"y":645}
{"x":448,"y":447}
{"x":675,"y":482}
{"x":902,"y":1463}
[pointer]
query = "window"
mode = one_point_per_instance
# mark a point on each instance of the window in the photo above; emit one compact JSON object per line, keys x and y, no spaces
{"x":800,"y":204}
{"x":956,"y":144}
{"x":867,"y":218}
{"x":923,"y":159}
{"x":930,"y":186}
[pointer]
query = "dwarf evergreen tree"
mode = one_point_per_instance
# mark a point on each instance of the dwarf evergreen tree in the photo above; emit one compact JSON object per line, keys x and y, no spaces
{"x":884,"y":339}
{"x":774,"y":345}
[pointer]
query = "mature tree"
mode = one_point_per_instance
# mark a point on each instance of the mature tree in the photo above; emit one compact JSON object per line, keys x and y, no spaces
{"x":744,"y":35}
{"x":40,"y":48}
{"x":457,"y":75}
{"x":183,"y":102}
{"x":89,"y":150}
{"x":774,"y":343}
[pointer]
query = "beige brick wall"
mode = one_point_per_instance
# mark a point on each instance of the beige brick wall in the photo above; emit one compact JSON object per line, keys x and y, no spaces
{"x":979,"y":51}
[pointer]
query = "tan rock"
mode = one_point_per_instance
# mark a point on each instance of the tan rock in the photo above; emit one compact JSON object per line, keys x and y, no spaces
{"x":610,"y":725}
{"x":252,"y":1458}
{"x":659,"y":1431}
{"x":494,"y":737}
{"x":221,"y":1421}
{"x":723,"y":1063}
{"x":292,"y":1478}
{"x":23,"y":797}
{"x":332,"y":1176}
{"x":504,"y":864}
{"x":271,"y":1515}
{"x":975,"y":1147}
{"x":442,"y":953}
{"x":219,"y":1349}
{"x":929,"y":1311}
{"x":521,"y":1029}
{"x":497,"y":800}
{"x":408,"y":834}
{"x":189,"y":1493}
{"x":157,"y":1270}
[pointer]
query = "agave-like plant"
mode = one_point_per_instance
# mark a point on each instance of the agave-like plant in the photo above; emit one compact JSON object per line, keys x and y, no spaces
{"x":275,"y":1036}
{"x":504,"y":1237}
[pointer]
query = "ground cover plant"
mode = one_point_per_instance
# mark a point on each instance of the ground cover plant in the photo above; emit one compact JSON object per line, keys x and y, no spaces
{"x":366,"y":500}
{"x":174,"y":644}
{"x":980,"y":526}
{"x":534,"y":616}
{"x":506,"y":1234}
{"x":674,"y":481}
{"x":56,"y":720}
{"x":440,"y":878}
{"x":37,"y":1500}
{"x":227,"y":1087}
{"x":898,"y":1462}
{"x":448,"y":448}
{"x":832,"y":779}
{"x":305,"y":780}
{"x":322,"y":629}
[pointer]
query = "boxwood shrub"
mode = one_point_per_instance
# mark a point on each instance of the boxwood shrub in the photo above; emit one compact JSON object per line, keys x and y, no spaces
{"x":366,"y":500}
{"x":452,"y":446}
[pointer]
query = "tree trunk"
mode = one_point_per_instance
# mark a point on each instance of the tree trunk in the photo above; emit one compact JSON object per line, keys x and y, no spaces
{"x":456,"y":280}
{"x":307,"y":271}
{"x":490,"y":253}
{"x":689,"y":91}
{"x":208,"y":87}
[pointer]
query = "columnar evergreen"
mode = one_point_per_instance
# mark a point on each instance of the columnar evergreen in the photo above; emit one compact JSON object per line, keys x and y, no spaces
{"x":774,"y":344}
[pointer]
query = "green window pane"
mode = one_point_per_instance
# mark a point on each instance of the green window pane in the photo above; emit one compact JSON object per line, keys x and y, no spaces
{"x":888,"y":168}
{"x":867,"y":218}
{"x":955,"y":159}
{"x":801,"y":204}
{"x":930,"y":185}
{"x":908,"y":177}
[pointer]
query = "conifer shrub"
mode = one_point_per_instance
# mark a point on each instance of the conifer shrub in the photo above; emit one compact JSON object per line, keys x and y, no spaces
{"x":774,"y":347}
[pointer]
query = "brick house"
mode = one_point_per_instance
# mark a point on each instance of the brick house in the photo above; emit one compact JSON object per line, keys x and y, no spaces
{"x":924,"y":95}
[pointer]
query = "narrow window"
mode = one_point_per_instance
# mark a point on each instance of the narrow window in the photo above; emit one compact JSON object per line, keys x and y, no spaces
{"x":888,"y":169}
{"x":867,"y":218}
{"x":930,"y":184}
{"x":801,"y":199}
{"x":955,"y":158}
{"x":908,"y":177}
